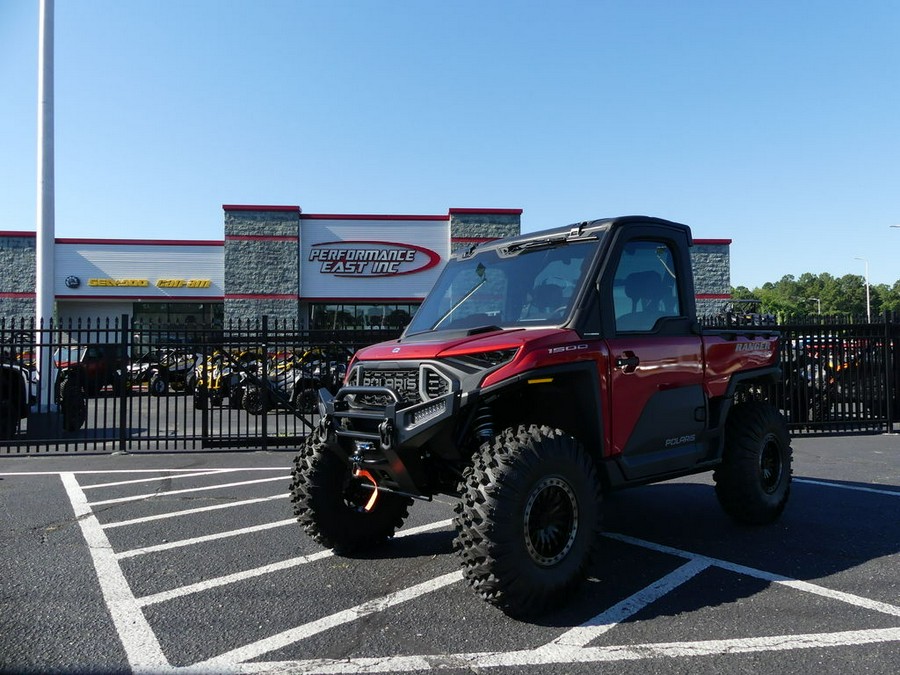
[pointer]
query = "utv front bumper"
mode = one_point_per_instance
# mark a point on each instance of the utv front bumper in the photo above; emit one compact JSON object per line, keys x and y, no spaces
{"x":386,"y":440}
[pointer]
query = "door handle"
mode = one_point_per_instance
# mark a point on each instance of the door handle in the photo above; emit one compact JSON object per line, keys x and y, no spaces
{"x":629,"y":362}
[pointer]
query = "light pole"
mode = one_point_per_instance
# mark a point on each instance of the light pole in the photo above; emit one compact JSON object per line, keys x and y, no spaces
{"x":818,"y":304}
{"x":868,"y":302}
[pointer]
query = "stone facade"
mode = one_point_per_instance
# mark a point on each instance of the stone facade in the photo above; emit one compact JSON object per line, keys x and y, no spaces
{"x":262,"y":273}
{"x":470,"y":226}
{"x":18,"y":251}
{"x":711,"y":261}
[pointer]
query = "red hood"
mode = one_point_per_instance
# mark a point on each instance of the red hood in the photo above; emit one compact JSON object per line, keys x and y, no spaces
{"x":429,"y":348}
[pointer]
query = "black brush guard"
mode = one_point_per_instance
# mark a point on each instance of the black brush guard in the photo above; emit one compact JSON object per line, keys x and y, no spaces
{"x":385,"y":440}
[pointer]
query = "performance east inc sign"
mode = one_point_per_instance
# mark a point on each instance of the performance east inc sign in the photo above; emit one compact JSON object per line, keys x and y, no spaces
{"x":361,"y":259}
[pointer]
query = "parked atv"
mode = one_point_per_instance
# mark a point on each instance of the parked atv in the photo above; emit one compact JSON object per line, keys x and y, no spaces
{"x":18,"y":386}
{"x":172,"y":368}
{"x":221,"y":375}
{"x":293,"y":381}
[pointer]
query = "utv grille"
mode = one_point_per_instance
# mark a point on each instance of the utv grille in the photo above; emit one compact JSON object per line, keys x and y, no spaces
{"x":436,"y":384}
{"x":405,"y":382}
{"x":414,"y":384}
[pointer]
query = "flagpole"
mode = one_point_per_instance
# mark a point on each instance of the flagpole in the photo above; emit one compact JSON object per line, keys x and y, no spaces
{"x":46,"y":226}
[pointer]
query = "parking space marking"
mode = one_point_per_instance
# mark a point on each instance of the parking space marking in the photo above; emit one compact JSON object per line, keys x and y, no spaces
{"x":208,"y":584}
{"x":169,"y":493}
{"x":152,"y":479}
{"x":569,"y":655}
{"x":191,"y":512}
{"x":856,"y":488}
{"x":582,"y":635}
{"x":204,"y":538}
{"x":144,"y":651}
{"x":805,"y":586}
{"x":289,"y":637}
{"x":138,"y":639}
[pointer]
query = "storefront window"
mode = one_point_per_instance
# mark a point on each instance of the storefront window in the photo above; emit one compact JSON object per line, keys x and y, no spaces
{"x":179,"y":314}
{"x":392,"y":316}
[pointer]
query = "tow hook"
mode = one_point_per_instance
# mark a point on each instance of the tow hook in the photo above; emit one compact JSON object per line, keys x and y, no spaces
{"x":386,"y":434}
{"x":324,"y":428}
{"x":362,"y":473}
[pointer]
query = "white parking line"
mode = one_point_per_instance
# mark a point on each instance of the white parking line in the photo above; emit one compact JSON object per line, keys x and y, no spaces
{"x":543,"y":657}
{"x":208,"y":584}
{"x":203,"y":539}
{"x":169,"y":493}
{"x":805,"y":586}
{"x":191,"y":512}
{"x":855,"y":488}
{"x":165,"y":476}
{"x":138,"y":639}
{"x":288,"y":637}
{"x":83,"y":472}
{"x":594,"y":628}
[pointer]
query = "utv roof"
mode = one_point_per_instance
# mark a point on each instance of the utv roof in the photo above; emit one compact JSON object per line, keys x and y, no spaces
{"x":574,"y":232}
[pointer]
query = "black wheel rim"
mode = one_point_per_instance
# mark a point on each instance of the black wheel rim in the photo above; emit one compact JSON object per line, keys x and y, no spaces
{"x":551,"y":521}
{"x":770,"y":465}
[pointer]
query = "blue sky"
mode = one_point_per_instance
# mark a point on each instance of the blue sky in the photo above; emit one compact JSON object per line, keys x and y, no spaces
{"x":772,"y":123}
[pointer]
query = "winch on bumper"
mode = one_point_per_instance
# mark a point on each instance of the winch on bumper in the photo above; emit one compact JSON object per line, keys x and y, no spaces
{"x":382,"y":434}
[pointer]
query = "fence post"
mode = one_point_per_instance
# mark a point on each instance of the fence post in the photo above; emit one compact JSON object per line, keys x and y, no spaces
{"x":124,"y":388}
{"x":264,"y":389}
{"x":891,"y":347}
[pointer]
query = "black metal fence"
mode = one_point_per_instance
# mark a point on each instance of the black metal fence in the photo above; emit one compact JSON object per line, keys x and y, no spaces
{"x":121,"y":387}
{"x":840,"y":377}
{"x":114,"y":386}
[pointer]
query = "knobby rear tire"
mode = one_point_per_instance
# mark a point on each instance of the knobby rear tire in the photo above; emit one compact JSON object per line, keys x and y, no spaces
{"x":753,"y":482}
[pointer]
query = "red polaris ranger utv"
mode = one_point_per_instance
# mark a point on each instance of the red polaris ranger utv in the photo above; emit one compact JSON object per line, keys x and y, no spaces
{"x":541,"y":372}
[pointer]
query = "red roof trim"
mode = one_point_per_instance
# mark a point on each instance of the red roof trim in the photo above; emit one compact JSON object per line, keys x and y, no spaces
{"x":256,"y":207}
{"x":260,"y":237}
{"x":260,"y":296}
{"x":713,"y":242}
{"x":143,"y":242}
{"x":713,"y":296}
{"x":361,"y":216}
{"x":155,"y":298}
{"x":17,"y":233}
{"x":361,"y":301}
{"x":490,"y":212}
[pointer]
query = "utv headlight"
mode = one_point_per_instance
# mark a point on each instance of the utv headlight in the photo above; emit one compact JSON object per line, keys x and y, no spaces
{"x":490,"y":359}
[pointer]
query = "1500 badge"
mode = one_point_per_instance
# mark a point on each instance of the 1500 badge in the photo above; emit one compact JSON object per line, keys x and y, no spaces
{"x":567,"y":348}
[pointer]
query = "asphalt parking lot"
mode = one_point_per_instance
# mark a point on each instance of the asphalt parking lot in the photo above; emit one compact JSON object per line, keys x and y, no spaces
{"x":192,"y":562}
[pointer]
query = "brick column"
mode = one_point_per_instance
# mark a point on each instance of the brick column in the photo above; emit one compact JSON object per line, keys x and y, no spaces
{"x":17,"y":283}
{"x":472,"y":226}
{"x":711,"y":261}
{"x":262,"y":274}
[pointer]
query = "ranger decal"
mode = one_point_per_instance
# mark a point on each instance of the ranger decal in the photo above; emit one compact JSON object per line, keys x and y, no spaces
{"x":755,"y":346}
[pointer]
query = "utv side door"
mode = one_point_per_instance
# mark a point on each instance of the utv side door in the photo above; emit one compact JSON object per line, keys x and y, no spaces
{"x":657,"y":408}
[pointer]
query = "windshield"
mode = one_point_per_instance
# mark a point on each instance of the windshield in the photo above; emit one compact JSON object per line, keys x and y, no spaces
{"x":67,"y":354}
{"x":532,"y":288}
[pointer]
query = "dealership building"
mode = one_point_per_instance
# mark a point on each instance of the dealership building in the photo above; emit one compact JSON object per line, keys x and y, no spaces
{"x":321,"y":270}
